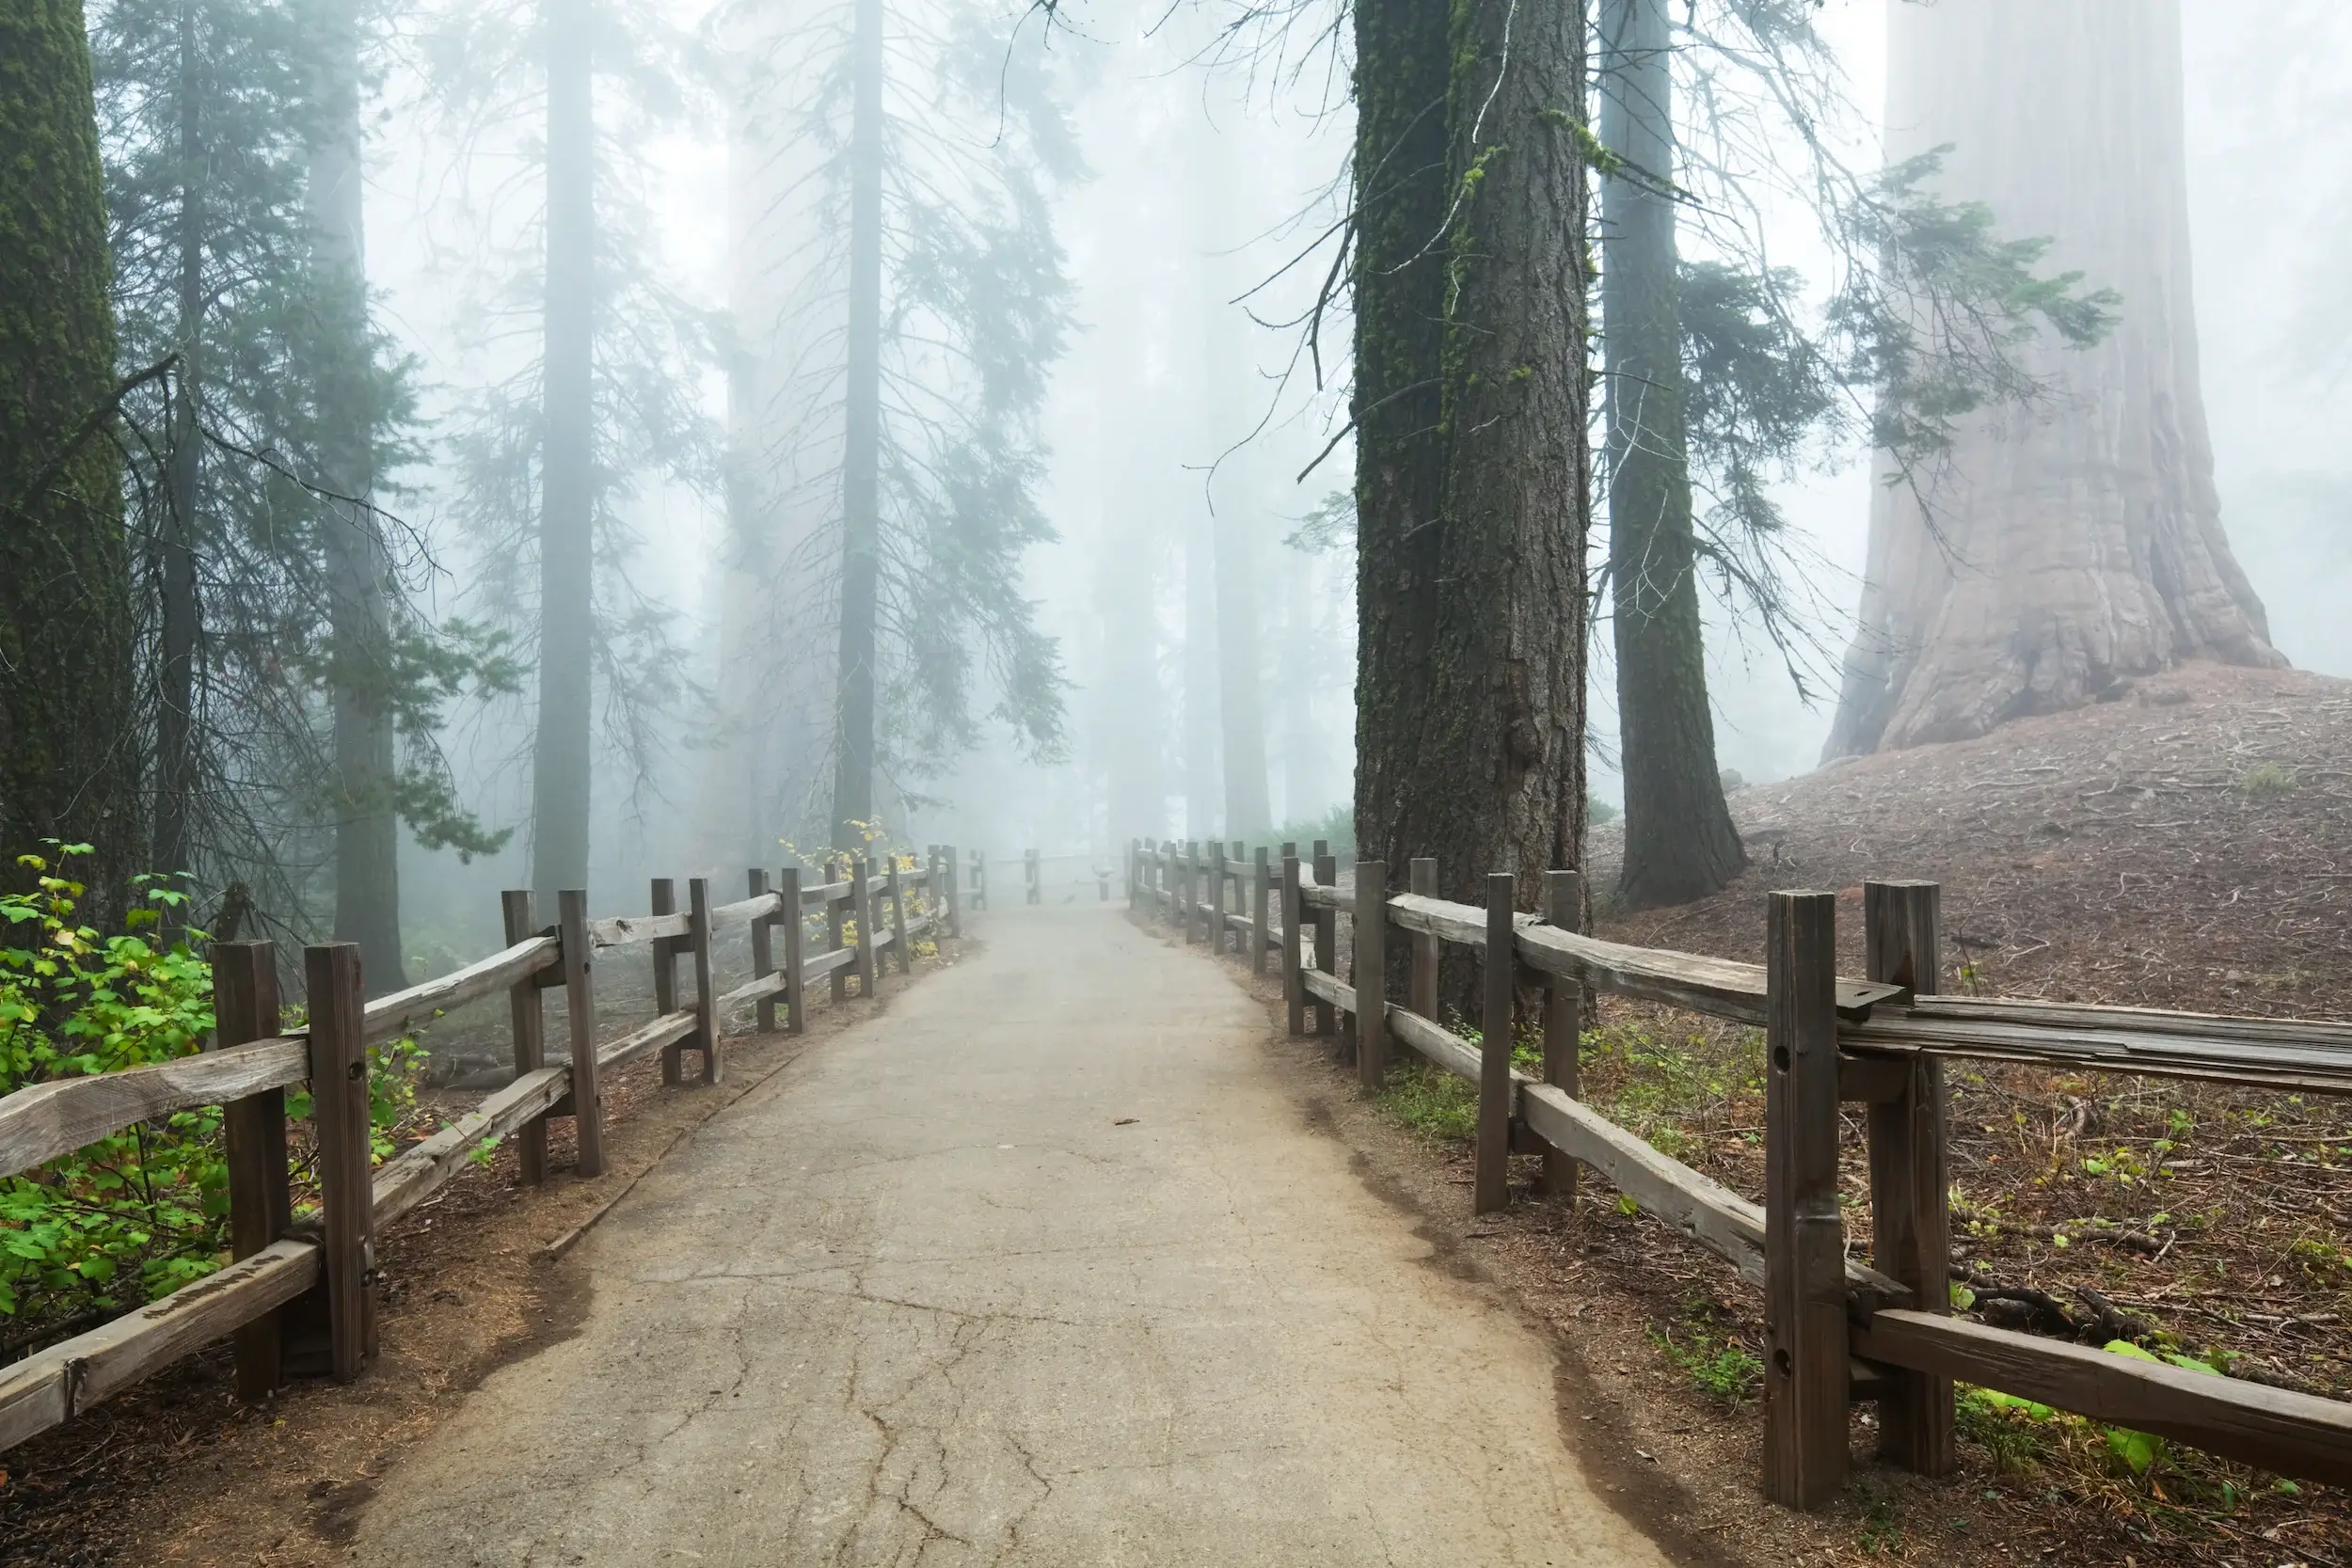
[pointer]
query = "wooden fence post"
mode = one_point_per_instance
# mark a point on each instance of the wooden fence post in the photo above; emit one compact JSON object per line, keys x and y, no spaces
{"x":1371,"y":974}
{"x":1216,"y":897}
{"x":1491,"y":1167}
{"x":763,"y":950}
{"x":260,"y":1204}
{"x":1236,"y":856}
{"x":1421,"y":994}
{"x":862,"y":905}
{"x":979,"y":879}
{"x":663,"y":900}
{"x":1294,"y":988}
{"x":899,"y":918}
{"x":1237,"y":866}
{"x":527,"y":1020}
{"x":836,"y":921}
{"x":338,"y":1100}
{"x":1806,"y":1388}
{"x":1036,"y":873}
{"x":795,"y":960}
{"x":1327,"y":935}
{"x":1910,"y":1176}
{"x":955,"y":902}
{"x":1564,"y":1021}
{"x":1259,"y":894}
{"x":706,"y":997}
{"x":579,"y":1012}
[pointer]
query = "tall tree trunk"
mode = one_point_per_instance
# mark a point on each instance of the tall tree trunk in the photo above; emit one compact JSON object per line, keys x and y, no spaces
{"x":2066,"y":544}
{"x":69,"y":728}
{"x":1679,"y":843}
{"x":560,"y":761}
{"x":1398,"y":285}
{"x":179,"y":612}
{"x":1470,"y":732}
{"x":1203,"y":782}
{"x":861,"y":477}
{"x":359,"y":572}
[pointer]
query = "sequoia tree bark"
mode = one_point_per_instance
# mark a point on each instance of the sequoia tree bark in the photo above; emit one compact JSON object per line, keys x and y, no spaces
{"x":1473,"y":460}
{"x":2074,"y":541}
{"x":1679,"y":843}
{"x":69,"y":732}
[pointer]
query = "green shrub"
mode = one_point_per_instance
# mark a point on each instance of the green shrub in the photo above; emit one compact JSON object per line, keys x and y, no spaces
{"x":135,"y":1215}
{"x":1430,"y":1100}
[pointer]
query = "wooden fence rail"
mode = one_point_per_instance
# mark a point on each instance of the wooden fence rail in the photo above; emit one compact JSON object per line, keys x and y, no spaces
{"x":1837,"y":1332}
{"x":314,"y":1275}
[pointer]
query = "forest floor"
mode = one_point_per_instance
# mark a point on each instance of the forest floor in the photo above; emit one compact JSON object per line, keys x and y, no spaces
{"x":2189,"y":846}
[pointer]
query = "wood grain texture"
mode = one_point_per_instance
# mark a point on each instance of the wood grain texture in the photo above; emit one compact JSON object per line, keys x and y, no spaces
{"x":1491,"y":1158}
{"x":1563,"y":1019}
{"x":340,"y":1113}
{"x":580,"y":1026}
{"x":403,"y":1011}
{"x":527,"y":1028}
{"x":706,"y":996}
{"x":50,"y":1387}
{"x":417,"y":1173}
{"x":1805,"y":1397}
{"x":1372,"y":976}
{"x":2291,"y":1435}
{"x":628,"y":929}
{"x":1911,"y":1175}
{"x":1330,"y":989}
{"x":763,"y":943}
{"x":1935,"y":1031}
{"x":40,"y":1122}
{"x":1293,"y":988}
{"x":261,"y":1197}
{"x":646,"y":1037}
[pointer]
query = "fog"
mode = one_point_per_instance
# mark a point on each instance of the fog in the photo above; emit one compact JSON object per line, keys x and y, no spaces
{"x":1177,"y":421}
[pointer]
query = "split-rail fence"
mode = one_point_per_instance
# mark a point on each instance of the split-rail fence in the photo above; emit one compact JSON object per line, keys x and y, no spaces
{"x":300,"y":1296}
{"x":1837,"y":1332}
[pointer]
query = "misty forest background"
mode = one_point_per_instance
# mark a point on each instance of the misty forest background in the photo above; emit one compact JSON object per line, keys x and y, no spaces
{"x":557,"y":442}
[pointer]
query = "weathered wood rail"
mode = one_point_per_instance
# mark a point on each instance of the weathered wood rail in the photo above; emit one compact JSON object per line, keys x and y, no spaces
{"x":1836,"y":1332}
{"x":301,"y":1290}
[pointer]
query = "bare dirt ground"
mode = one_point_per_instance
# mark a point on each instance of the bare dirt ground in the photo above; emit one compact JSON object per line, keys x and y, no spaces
{"x":177,"y":1471}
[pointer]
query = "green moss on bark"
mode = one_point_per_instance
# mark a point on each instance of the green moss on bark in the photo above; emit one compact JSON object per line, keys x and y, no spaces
{"x":68,"y":759}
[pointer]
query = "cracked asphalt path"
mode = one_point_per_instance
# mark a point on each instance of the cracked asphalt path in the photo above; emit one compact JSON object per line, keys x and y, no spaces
{"x":926,"y":1297}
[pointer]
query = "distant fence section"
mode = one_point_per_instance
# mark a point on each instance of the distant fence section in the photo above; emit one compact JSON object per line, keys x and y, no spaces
{"x":1837,"y":1332}
{"x":300,"y":1296}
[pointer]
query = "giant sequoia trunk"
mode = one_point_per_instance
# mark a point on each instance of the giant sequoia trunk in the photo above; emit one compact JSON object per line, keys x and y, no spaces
{"x":861,"y":481}
{"x":359,"y":574}
{"x":177,"y":611}
{"x":1472,"y":468}
{"x":2072,"y":543}
{"x":1679,"y":843}
{"x":559,"y":780}
{"x":68,"y":751}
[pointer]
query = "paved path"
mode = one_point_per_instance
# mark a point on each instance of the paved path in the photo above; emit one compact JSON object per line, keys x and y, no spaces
{"x":922,"y":1299}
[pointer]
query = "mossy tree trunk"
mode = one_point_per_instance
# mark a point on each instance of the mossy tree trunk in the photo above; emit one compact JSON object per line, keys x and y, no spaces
{"x":1472,"y":455}
{"x":70,"y":739}
{"x":1679,"y":843}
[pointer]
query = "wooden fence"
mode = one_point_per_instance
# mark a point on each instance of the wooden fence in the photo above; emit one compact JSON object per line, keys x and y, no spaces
{"x":300,"y":1294}
{"x":1837,"y":1332}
